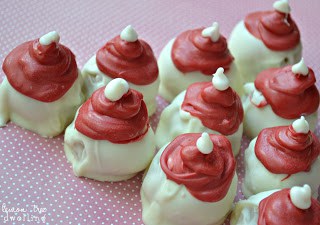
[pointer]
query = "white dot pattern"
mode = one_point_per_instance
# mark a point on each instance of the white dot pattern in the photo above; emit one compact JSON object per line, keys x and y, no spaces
{"x":34,"y":170}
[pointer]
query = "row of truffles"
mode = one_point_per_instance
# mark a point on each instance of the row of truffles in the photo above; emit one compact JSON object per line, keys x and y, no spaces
{"x":192,"y":180}
{"x":43,"y":74}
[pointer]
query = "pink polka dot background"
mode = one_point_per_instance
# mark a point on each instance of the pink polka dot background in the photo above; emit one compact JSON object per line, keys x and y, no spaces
{"x":34,"y":171}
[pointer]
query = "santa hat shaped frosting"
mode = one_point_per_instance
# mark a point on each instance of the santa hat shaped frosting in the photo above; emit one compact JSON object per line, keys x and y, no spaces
{"x":214,"y":102}
{"x":125,"y":56}
{"x":279,"y":148}
{"x":115,"y":113}
{"x":203,"y":163}
{"x":290,"y":206}
{"x":42,"y":69}
{"x":274,"y":28}
{"x":290,"y":90}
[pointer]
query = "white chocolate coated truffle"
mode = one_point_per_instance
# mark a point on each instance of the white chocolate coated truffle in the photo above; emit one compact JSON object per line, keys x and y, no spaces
{"x":166,"y":202}
{"x":258,"y":118}
{"x":170,"y":76}
{"x":184,"y":122}
{"x":106,"y":161}
{"x":258,"y":179}
{"x":95,"y":78}
{"x":48,"y":119}
{"x":252,"y":56}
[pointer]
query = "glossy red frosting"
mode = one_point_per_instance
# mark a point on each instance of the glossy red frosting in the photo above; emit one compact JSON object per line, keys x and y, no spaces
{"x":193,"y":52}
{"x":41,"y":72}
{"x":283,"y":151}
{"x":277,"y":209}
{"x":206,"y":177}
{"x":122,"y":121}
{"x":132,"y":61}
{"x":289,"y":95}
{"x":275,"y":29}
{"x":218,"y":110}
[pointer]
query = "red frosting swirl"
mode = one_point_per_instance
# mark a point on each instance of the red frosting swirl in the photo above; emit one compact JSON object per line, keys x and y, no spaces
{"x":193,"y":52}
{"x":289,"y":95}
{"x":275,"y":29}
{"x":206,"y":176}
{"x":122,"y":121}
{"x":41,"y":72}
{"x":283,"y":151}
{"x":278,"y":209}
{"x":132,"y":61}
{"x":218,"y":110}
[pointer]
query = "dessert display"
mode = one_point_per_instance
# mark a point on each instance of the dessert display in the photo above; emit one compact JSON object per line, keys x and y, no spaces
{"x":286,"y":206}
{"x":110,"y":138}
{"x":42,"y":88}
{"x":125,"y":56}
{"x":212,"y":107}
{"x":190,"y":181}
{"x":193,"y":56}
{"x":282,"y":157}
{"x":279,"y":96}
{"x":265,"y":39}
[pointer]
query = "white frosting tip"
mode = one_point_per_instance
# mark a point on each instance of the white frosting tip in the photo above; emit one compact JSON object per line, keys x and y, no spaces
{"x":204,"y":143}
{"x":301,"y":196}
{"x":220,"y":81}
{"x":49,"y":38}
{"x":300,"y":68}
{"x":129,"y":34}
{"x":301,"y":125}
{"x":249,"y":88}
{"x":282,"y":6}
{"x":257,"y":97}
{"x":115,"y":89}
{"x":212,"y":32}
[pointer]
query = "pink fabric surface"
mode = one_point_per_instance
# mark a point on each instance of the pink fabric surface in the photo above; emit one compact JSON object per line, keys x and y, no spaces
{"x":34,"y":171}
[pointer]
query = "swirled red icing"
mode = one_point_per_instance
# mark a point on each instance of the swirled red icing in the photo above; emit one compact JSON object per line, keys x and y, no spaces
{"x":206,"y":177}
{"x":289,"y":95}
{"x":275,"y":29}
{"x":218,"y":110}
{"x":41,"y":72}
{"x":283,"y":151}
{"x":193,"y":52}
{"x":122,"y":121}
{"x":279,"y":209}
{"x":132,"y":61}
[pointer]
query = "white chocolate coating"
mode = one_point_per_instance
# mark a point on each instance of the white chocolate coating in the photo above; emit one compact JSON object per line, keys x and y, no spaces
{"x":219,"y":80}
{"x":282,"y":6}
{"x":300,"y":68}
{"x":105,"y":161}
{"x":115,"y":89}
{"x":256,"y":119}
{"x":258,"y":179}
{"x":49,"y":38}
{"x":204,"y":143}
{"x":252,"y":56}
{"x":165,"y":202}
{"x":48,"y":119}
{"x":301,"y":196}
{"x":94,"y":79}
{"x":184,"y":122}
{"x":173,"y":81}
{"x":129,"y":34}
{"x":246,"y":212}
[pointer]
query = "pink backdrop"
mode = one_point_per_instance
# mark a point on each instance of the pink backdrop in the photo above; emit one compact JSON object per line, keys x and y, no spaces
{"x":34,"y":172}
